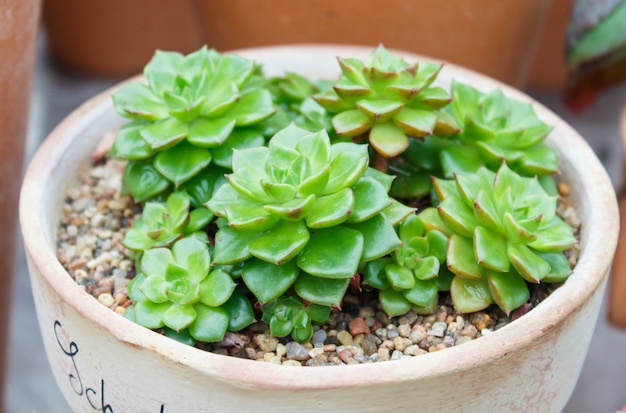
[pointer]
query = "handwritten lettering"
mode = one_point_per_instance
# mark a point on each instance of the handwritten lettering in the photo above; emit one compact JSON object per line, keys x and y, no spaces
{"x":95,"y":400}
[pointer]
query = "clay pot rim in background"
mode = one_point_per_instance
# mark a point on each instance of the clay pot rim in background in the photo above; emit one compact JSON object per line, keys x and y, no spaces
{"x":590,"y":185}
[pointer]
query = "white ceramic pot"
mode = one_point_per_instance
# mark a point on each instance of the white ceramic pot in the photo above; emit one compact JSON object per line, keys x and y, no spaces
{"x":103,"y":361}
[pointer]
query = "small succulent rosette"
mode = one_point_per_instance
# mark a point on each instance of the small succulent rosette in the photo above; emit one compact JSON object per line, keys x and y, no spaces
{"x":503,"y":232}
{"x":389,"y":101}
{"x":176,"y":290}
{"x":196,"y":107}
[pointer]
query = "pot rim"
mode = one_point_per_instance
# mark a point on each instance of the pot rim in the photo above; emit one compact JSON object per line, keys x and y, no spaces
{"x":598,"y":247}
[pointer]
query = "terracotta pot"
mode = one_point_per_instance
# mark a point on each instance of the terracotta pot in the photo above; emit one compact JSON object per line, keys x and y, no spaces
{"x":18,"y":33}
{"x":548,"y":70}
{"x":117,"y":37}
{"x":102,"y":360}
{"x":497,"y":38}
{"x":617,"y":304}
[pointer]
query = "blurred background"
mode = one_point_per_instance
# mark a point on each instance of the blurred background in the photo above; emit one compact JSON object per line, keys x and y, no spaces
{"x":56,"y":54}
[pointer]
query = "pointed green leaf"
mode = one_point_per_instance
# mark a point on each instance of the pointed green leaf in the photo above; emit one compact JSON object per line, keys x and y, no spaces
{"x":461,"y":259}
{"x":208,"y":133}
{"x":252,"y":108}
{"x":397,"y":212}
{"x":217,"y":288}
{"x":154,"y":287}
{"x":379,"y":237}
{"x":559,"y":266}
{"x":281,"y":242}
{"x":143,"y":180}
{"x":164,"y":134}
{"x":374,"y":274}
{"x":459,"y":159}
{"x":154,"y":261}
{"x":268,"y":281}
{"x":555,"y":236}
{"x":469,"y":295}
{"x":149,"y":314}
{"x":330,"y":210}
{"x":426,"y":269}
{"x":178,"y":317}
{"x":394,"y":302}
{"x":370,"y":198}
{"x":457,"y":216}
{"x":332,"y":253}
{"x":137,"y":101}
{"x":491,"y":250}
{"x":351,"y":123}
{"x":508,"y":290}
{"x":240,"y":311}
{"x":129,"y":144}
{"x":250,"y":218}
{"x":422,"y":293}
{"x":231,"y":246}
{"x":437,"y":244}
{"x":388,"y":139}
{"x":416,"y":122}
{"x":210,"y":324}
{"x":349,"y":162}
{"x":379,"y":110}
{"x":293,"y":210}
{"x":322,"y":291}
{"x":168,"y":162}
{"x":400,"y":278}
{"x":530,"y":266}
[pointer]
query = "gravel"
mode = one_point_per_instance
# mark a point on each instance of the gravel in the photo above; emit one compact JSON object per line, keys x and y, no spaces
{"x":95,"y":218}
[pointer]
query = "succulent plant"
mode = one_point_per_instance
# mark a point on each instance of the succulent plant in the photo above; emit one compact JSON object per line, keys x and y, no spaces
{"x":292,"y":95}
{"x":496,"y":128}
{"x":503,"y":231}
{"x":388,"y":99}
{"x":288,"y":315}
{"x":160,"y":225}
{"x":413,"y":275}
{"x":177,"y":289}
{"x":308,"y":206}
{"x":195,"y":107}
{"x":295,"y":213}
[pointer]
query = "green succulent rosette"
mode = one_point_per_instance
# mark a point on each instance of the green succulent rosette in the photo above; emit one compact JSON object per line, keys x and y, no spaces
{"x":191,"y":112}
{"x":177,"y":290}
{"x":389,"y":100}
{"x":496,"y":128}
{"x":304,"y":213}
{"x":411,"y":278}
{"x":160,"y":225}
{"x":503,"y":232}
{"x":289,"y":316}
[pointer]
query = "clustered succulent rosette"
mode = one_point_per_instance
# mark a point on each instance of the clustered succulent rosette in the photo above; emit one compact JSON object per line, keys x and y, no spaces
{"x":503,"y":232}
{"x":412,"y":276}
{"x":304,"y":213}
{"x":256,"y":208}
{"x":495,"y":128}
{"x":292,"y":95}
{"x":388,"y":99}
{"x":195,"y":107}
{"x":177,"y":290}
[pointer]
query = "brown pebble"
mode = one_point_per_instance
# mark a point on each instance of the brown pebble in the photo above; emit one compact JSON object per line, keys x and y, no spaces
{"x":76,"y":264}
{"x":480,"y":320}
{"x":358,"y":326}
{"x":345,"y":355}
